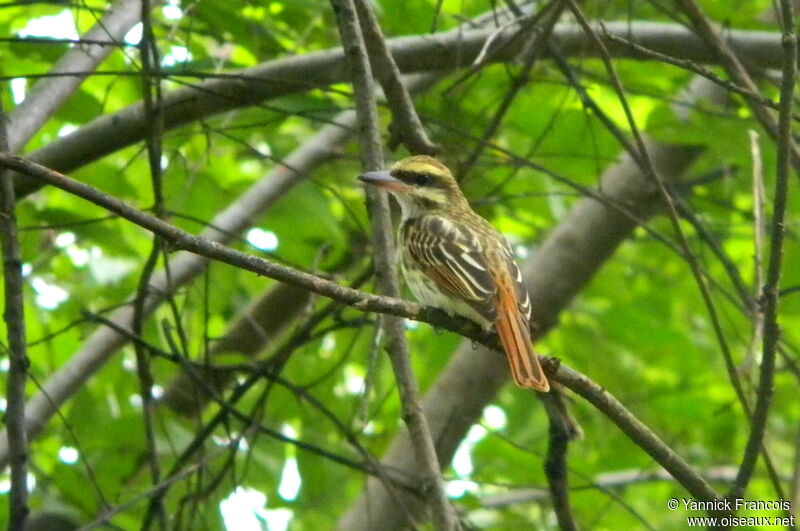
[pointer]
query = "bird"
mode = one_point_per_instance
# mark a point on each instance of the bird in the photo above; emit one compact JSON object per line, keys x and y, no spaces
{"x":454,"y":260}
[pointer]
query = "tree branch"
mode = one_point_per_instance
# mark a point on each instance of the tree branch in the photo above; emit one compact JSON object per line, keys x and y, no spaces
{"x":48,"y":95}
{"x":769,"y":294}
{"x":555,"y":464}
{"x":383,"y":244}
{"x":440,"y":52}
{"x":14,"y":317}
{"x":406,"y":127}
{"x":151,"y":90}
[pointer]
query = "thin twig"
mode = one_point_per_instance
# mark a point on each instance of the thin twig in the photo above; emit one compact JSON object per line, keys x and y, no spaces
{"x":758,"y":244}
{"x":148,"y":51}
{"x":588,"y":102}
{"x":738,"y":72}
{"x":382,"y":236}
{"x":555,"y":465}
{"x":686,"y":212}
{"x":649,"y":170}
{"x":769,"y":294}
{"x":551,"y":14}
{"x":14,"y":317}
{"x":406,"y":127}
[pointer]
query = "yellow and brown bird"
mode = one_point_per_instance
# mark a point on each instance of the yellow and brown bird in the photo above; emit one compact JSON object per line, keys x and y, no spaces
{"x":454,"y":260}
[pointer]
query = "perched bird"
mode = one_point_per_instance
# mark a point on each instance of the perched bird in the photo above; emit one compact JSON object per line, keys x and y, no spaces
{"x":454,"y":260}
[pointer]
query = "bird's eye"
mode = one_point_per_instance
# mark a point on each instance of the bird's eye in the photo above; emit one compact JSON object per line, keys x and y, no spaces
{"x":423,"y":179}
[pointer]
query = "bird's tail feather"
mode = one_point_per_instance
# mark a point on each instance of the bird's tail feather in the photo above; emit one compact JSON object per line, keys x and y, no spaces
{"x":516,"y":340}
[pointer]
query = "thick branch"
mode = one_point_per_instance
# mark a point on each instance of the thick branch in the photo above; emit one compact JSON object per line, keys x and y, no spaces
{"x":444,"y":51}
{"x":50,"y":93}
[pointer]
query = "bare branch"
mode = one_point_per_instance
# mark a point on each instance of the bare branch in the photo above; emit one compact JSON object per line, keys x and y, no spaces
{"x":555,"y":464}
{"x":444,"y":51}
{"x":151,"y":90}
{"x":769,"y":293}
{"x":50,"y":94}
{"x":14,"y":317}
{"x":406,"y":127}
{"x":382,"y":237}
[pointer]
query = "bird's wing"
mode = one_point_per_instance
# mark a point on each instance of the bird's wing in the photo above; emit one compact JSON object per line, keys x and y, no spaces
{"x":454,"y":259}
{"x":518,"y":285}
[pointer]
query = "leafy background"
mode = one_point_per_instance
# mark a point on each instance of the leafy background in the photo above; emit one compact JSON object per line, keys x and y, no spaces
{"x":639,"y":328}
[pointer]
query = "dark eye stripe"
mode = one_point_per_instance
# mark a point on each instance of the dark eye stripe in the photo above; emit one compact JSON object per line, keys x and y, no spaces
{"x":413,"y":177}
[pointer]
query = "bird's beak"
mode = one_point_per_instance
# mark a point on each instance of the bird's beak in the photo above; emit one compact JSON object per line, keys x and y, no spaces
{"x":383,"y":179}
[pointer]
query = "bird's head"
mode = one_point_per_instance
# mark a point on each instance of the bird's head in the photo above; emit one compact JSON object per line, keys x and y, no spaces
{"x":420,"y":184}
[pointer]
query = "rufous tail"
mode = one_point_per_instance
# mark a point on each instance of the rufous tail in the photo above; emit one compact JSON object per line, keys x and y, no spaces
{"x":516,"y":341}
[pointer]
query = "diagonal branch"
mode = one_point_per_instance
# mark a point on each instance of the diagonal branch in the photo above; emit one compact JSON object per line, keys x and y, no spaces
{"x":48,"y":95}
{"x":151,"y":89}
{"x":406,"y":127}
{"x":616,"y":225}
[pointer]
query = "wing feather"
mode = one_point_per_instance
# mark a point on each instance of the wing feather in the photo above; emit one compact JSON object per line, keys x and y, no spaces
{"x":523,"y":299}
{"x":454,"y":259}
